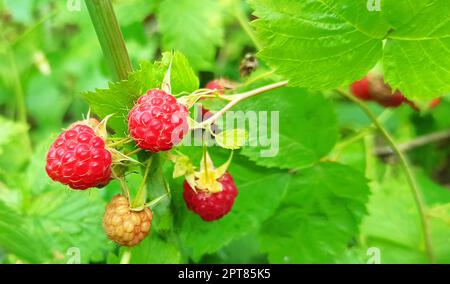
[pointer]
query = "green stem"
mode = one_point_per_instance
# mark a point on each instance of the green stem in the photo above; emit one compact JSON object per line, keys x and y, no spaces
{"x":244,"y":22}
{"x":404,"y":163}
{"x":141,"y":194}
{"x":18,"y":90}
{"x":110,"y":37}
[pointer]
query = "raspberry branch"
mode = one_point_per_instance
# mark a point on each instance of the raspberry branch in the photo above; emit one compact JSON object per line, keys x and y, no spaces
{"x":404,"y":163}
{"x":235,"y":99}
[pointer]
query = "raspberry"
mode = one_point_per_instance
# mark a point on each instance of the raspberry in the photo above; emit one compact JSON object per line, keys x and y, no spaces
{"x":394,"y":100}
{"x":216,"y":85}
{"x":211,"y":206}
{"x":157,"y":121}
{"x":79,"y":159}
{"x":124,"y":226}
{"x":361,"y":89}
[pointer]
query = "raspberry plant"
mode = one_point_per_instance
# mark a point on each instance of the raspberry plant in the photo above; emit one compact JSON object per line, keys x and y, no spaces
{"x":356,"y":99}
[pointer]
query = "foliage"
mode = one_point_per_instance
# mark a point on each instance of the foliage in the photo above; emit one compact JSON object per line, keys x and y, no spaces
{"x":324,"y":197}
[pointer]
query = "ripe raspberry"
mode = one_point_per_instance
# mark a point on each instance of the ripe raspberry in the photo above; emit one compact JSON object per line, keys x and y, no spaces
{"x":157,"y":121}
{"x":123,"y":226}
{"x":79,"y":159}
{"x":211,"y":206}
{"x":361,"y":89}
{"x":394,"y":100}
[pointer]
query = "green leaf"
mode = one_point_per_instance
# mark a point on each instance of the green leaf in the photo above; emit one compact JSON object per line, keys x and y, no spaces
{"x":417,"y":52}
{"x":318,"y":217}
{"x":70,"y":219}
{"x":312,"y":46}
{"x":231,"y":139}
{"x":393,"y":224}
{"x":313,"y":43}
{"x":194,"y":28}
{"x":260,"y":191}
{"x":154,"y":250}
{"x":16,"y":238}
{"x":120,"y":97}
{"x":133,"y":11}
{"x":300,"y":128}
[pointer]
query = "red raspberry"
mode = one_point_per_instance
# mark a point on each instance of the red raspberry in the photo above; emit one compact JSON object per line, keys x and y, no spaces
{"x":361,"y":89}
{"x":394,"y":100}
{"x":79,"y":159}
{"x":157,"y":121}
{"x":216,"y":85}
{"x":211,"y":206}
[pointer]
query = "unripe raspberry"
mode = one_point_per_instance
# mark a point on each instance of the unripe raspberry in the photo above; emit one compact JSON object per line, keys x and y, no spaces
{"x":124,"y":226}
{"x":79,"y":159}
{"x":157,"y":121}
{"x":211,"y":206}
{"x":435,"y":102}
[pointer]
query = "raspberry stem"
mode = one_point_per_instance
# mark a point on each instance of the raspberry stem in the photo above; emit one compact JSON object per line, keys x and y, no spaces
{"x":141,"y":195}
{"x":110,"y":37}
{"x":120,"y":142}
{"x":404,"y":163}
{"x":235,"y":99}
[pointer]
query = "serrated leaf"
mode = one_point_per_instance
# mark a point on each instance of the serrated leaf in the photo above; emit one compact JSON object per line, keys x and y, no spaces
{"x":154,"y":250}
{"x":317,"y":218}
{"x":194,"y":28}
{"x":120,"y":97}
{"x":17,"y":239}
{"x":232,"y":138}
{"x":313,"y":43}
{"x":300,"y":128}
{"x":393,"y":224}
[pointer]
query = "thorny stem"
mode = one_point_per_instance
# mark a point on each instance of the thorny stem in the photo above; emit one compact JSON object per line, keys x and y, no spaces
{"x":239,"y":97}
{"x":415,"y":190}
